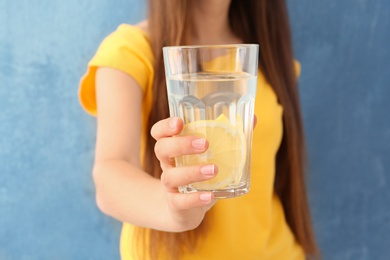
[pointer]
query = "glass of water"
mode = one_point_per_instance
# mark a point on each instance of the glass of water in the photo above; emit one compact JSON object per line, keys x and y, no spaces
{"x":213,"y":88}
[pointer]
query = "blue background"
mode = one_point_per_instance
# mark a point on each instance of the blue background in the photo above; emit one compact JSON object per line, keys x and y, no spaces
{"x":47,"y":208}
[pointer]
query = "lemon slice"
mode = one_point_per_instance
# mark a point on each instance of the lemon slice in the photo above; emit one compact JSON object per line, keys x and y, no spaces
{"x":227,"y":150}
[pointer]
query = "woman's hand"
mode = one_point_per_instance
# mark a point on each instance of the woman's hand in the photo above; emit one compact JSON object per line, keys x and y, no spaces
{"x":186,"y":211}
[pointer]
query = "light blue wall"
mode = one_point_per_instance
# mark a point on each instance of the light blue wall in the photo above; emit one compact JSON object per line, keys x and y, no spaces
{"x":344,"y":48}
{"x":47,"y":208}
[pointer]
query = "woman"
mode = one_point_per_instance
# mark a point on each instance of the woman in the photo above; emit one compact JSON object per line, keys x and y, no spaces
{"x":134,"y":173}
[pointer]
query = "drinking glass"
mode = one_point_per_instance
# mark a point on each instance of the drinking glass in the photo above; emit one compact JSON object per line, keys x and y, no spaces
{"x":212,"y":89}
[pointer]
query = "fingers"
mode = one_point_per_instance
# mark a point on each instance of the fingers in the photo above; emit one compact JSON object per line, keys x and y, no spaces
{"x":188,"y":210}
{"x":167,"y":127}
{"x":168,"y":148}
{"x":180,"y":176}
{"x":184,"y":201}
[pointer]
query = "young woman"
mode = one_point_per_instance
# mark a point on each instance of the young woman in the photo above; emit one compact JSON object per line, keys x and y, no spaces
{"x":134,"y":172}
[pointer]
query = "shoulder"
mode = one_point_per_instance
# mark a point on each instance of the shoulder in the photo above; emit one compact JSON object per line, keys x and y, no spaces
{"x":131,"y":34}
{"x":126,"y":49}
{"x":143,"y":26}
{"x":127,"y":41}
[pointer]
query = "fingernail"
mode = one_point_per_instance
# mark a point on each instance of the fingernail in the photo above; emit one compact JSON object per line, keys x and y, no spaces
{"x":172,"y":122}
{"x":199,"y":143}
{"x":205,"y":197}
{"x":207,"y":170}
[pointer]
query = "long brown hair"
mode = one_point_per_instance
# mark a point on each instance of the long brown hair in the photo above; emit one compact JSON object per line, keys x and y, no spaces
{"x":254,"y":21}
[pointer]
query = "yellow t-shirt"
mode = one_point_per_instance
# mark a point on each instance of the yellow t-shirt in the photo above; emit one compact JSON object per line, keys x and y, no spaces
{"x":252,"y":226}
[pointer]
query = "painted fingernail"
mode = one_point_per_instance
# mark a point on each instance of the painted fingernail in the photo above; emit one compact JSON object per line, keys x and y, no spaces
{"x":199,"y":143}
{"x":172,"y":122}
{"x":206,"y":197}
{"x":208,"y":170}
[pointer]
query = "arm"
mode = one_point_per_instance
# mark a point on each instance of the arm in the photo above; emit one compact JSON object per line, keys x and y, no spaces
{"x":123,"y":190}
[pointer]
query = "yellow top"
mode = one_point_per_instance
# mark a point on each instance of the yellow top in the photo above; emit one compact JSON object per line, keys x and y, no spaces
{"x":252,"y":226}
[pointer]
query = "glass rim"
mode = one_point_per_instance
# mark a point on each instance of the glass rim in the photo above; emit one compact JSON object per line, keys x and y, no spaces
{"x":213,"y":46}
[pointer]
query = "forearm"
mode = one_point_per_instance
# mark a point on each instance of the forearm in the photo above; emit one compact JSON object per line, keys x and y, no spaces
{"x":123,"y":190}
{"x":128,"y":194}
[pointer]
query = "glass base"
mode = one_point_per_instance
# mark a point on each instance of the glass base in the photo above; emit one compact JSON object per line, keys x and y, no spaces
{"x":227,"y":193}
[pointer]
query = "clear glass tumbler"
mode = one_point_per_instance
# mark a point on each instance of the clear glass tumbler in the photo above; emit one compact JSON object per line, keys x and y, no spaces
{"x":213,"y":88}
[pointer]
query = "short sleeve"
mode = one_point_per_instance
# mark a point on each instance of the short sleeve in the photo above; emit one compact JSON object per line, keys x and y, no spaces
{"x":126,"y":49}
